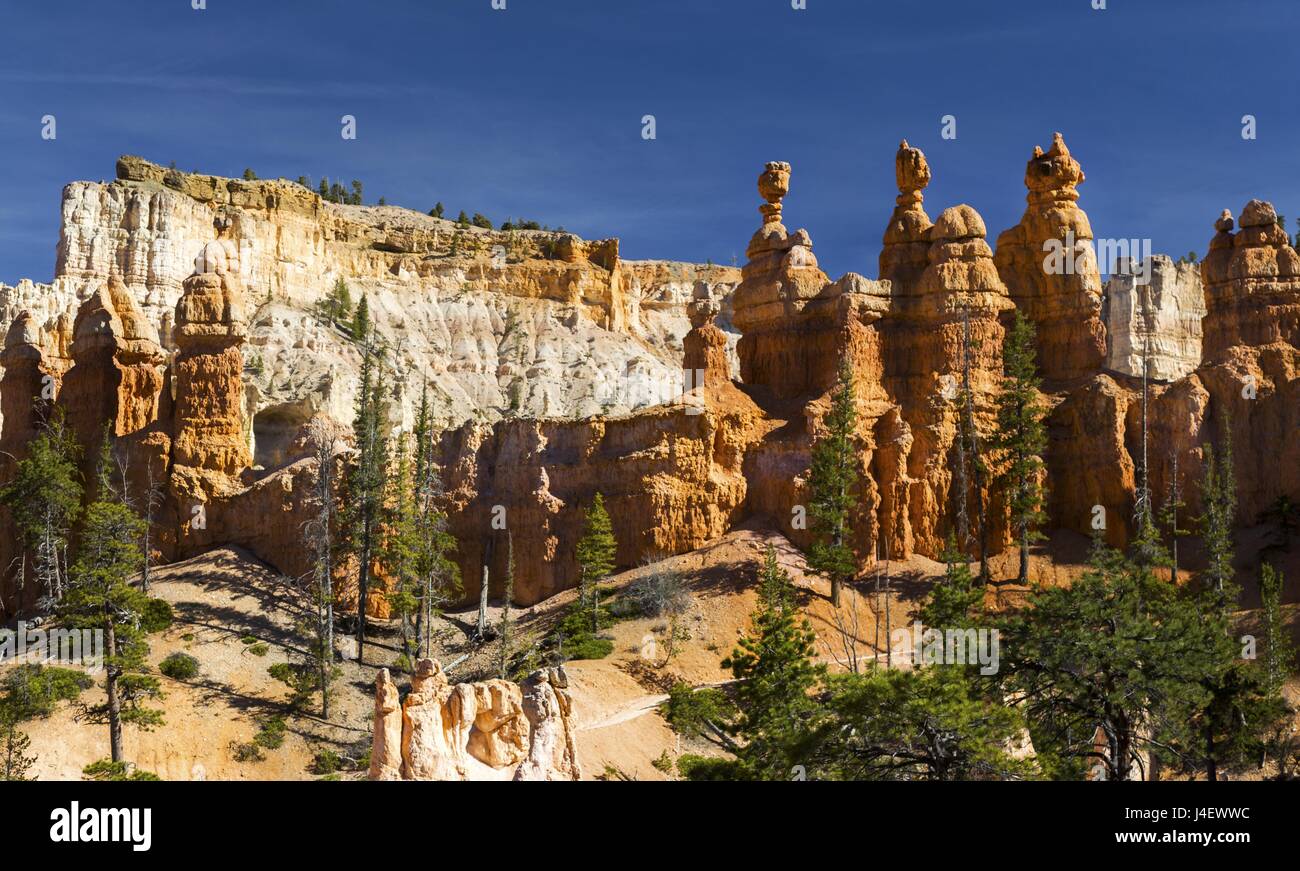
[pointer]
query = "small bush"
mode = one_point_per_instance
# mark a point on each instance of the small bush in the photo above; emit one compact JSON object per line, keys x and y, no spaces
{"x":326,"y":762}
{"x":247,"y":752}
{"x":689,"y":711}
{"x":588,"y":647}
{"x":179,"y":666}
{"x":156,"y":615}
{"x":664,"y":763}
{"x":695,"y":767}
{"x":247,"y":639}
{"x":32,"y":691}
{"x":261,"y":648}
{"x":106,"y":769}
{"x":271,"y":735}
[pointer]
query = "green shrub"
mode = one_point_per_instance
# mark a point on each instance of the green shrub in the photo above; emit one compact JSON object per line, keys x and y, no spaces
{"x":688,"y":711}
{"x":247,"y":639}
{"x":326,"y":762}
{"x":588,"y":647}
{"x":261,"y":648}
{"x":664,"y":763}
{"x":271,"y":735}
{"x":179,"y":666}
{"x":156,"y":615}
{"x":695,"y":767}
{"x":31,"y":691}
{"x":106,"y":769}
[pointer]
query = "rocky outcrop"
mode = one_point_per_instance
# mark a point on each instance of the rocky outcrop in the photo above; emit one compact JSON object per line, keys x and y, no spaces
{"x":1155,"y":311}
{"x":494,"y":730}
{"x":905,"y":253}
{"x":210,"y":447}
{"x":504,"y":323}
{"x":942,"y":329}
{"x":1050,"y":268}
{"x":116,"y":378}
{"x":1252,"y":283}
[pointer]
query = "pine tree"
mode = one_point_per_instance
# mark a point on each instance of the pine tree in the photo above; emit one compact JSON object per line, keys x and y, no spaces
{"x":957,"y":600}
{"x":918,"y":724}
{"x":397,"y":553}
{"x":775,"y":673}
{"x":831,"y":482}
{"x":101,"y":597}
{"x":1219,"y":504}
{"x":366,"y":481}
{"x":361,"y":331}
{"x":437,"y":210}
{"x":44,"y":499}
{"x":438,"y":575}
{"x":1021,"y":438}
{"x":1105,"y":667}
{"x":319,"y":531}
{"x":1168,"y":518}
{"x":596,"y":551}
{"x":1279,"y":652}
{"x":15,"y":761}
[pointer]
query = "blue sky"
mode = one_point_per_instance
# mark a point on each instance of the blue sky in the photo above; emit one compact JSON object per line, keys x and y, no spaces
{"x":536,"y":111}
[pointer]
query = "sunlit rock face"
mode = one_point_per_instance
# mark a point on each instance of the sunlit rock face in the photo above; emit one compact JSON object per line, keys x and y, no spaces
{"x":1155,"y":312}
{"x":515,"y":323}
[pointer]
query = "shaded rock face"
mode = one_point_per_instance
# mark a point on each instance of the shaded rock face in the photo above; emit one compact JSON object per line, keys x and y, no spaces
{"x":493,"y":730}
{"x":1061,"y":295}
{"x":1161,"y":318}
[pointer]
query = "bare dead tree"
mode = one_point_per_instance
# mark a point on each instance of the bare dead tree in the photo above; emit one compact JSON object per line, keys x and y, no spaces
{"x":843,"y":648}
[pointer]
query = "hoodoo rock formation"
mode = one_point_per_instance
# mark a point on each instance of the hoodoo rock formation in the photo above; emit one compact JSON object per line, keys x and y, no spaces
{"x":701,"y":452}
{"x":494,"y":730}
{"x":211,"y":444}
{"x":1050,"y":267}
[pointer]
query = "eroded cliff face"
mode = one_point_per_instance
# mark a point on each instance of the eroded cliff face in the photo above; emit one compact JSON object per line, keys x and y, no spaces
{"x":529,"y":323}
{"x":699,"y":452}
{"x":1155,"y":312}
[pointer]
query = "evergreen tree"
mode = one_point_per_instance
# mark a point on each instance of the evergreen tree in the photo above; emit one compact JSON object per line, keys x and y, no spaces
{"x":361,"y":330}
{"x":1279,"y":652}
{"x":1021,"y":438}
{"x":831,"y":481}
{"x":44,"y":499}
{"x":356,"y":198}
{"x":397,"y":553}
{"x":437,"y":573}
{"x":249,"y":175}
{"x":101,"y":597}
{"x":775,"y":673}
{"x":596,"y":551}
{"x":15,"y":760}
{"x":437,"y":210}
{"x":1104,"y":666}
{"x":367,"y":480}
{"x":319,"y":532}
{"x":462,"y":220}
{"x":958,"y":599}
{"x":919,"y":724}
{"x":1238,"y":708}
